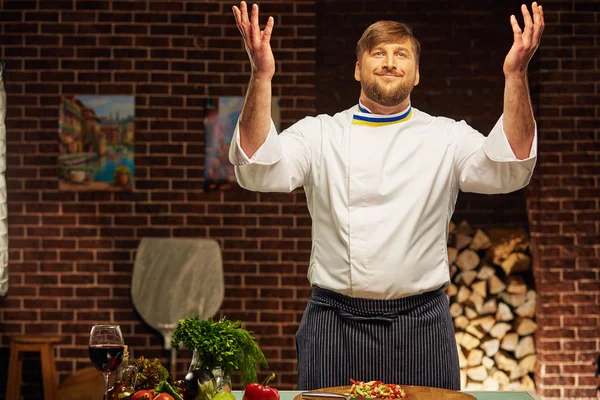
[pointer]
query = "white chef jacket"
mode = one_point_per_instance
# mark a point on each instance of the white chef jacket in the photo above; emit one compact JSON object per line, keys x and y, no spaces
{"x":381,"y":190}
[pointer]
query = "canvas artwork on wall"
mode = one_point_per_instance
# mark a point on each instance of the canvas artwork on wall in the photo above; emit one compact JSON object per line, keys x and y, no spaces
{"x":96,"y":149}
{"x":220,"y":120}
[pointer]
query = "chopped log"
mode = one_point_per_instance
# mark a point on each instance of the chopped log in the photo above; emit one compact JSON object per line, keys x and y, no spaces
{"x":477,"y":301}
{"x":461,"y":241}
{"x":475,"y":331}
{"x":499,"y":330}
{"x":453,"y":270}
{"x":505,"y":243}
{"x":496,"y":285}
{"x":504,"y":313}
{"x":512,"y":386}
{"x":462,"y":360}
{"x":527,"y":383}
{"x":451,"y":290}
{"x":501,"y":377}
{"x":464,"y":228}
{"x":486,"y":323}
{"x":490,"y":384}
{"x":477,"y":373}
{"x":474,"y":386}
{"x":487,"y":362}
{"x":470,"y":313}
{"x":463,"y":294}
{"x":525,"y":326}
{"x":514,"y":300}
{"x":480,"y":287}
{"x":516,"y":262}
{"x":489,"y":307}
{"x":517,"y":373}
{"x":526,"y":310}
{"x":466,"y":277}
{"x":461,"y":322}
{"x":510,"y":342}
{"x":516,"y":285}
{"x":467,"y":260}
{"x":456,"y":309}
{"x":451,"y":227}
{"x":486,"y":272}
{"x":525,"y":347}
{"x":475,"y":357}
{"x":469,"y":341}
{"x":491,"y":347}
{"x":452,"y":253}
{"x":528,"y":362}
{"x":481,"y":241}
{"x":504,"y":361}
{"x":492,"y":308}
{"x":463,"y":379}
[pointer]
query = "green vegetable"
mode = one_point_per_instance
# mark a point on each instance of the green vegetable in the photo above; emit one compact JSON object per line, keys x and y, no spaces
{"x":224,"y":396}
{"x":164,"y":387}
{"x":221,"y":344}
{"x":147,"y":374}
{"x":206,"y":391}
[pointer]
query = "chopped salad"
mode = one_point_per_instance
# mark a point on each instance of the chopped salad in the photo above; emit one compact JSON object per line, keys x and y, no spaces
{"x":375,"y":390}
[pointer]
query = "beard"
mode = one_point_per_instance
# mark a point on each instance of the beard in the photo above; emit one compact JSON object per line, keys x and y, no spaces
{"x":387,"y":95}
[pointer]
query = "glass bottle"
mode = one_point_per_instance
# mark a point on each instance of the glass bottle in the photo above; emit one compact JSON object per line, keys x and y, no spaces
{"x":119,"y":387}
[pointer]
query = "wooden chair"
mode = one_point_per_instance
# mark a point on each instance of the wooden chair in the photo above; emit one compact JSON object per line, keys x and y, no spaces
{"x":44,"y":345}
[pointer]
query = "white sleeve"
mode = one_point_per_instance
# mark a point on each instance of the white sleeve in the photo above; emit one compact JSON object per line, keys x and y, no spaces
{"x":487,"y":164}
{"x":281,"y":164}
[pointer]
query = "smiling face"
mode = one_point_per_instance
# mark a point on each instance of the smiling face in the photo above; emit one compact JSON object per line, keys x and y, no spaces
{"x":388,"y":72}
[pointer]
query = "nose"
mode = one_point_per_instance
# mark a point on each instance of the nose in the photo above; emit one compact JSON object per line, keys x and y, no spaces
{"x":389,"y":62}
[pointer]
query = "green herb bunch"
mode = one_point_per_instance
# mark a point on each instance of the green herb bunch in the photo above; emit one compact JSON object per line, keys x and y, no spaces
{"x":221,"y":344}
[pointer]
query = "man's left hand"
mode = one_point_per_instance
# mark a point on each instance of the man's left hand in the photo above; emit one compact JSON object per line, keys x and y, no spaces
{"x":525,"y":42}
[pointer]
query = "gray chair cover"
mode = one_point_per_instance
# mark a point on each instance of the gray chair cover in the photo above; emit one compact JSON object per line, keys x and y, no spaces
{"x":3,"y":210}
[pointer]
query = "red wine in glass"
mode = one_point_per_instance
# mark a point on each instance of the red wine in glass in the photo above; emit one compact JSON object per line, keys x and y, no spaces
{"x":106,"y":358}
{"x":106,"y":350}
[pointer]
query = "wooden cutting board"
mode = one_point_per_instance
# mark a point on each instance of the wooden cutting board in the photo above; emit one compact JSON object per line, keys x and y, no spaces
{"x":413,"y":393}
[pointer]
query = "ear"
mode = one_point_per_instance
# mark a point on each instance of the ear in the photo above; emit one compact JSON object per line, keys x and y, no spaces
{"x":417,"y":76}
{"x":357,"y":71}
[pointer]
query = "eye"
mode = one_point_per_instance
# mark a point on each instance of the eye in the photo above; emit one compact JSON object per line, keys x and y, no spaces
{"x":378,"y":53}
{"x":401,"y":54}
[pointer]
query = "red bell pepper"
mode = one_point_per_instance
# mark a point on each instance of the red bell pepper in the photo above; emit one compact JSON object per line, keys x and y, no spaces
{"x":257,"y":391}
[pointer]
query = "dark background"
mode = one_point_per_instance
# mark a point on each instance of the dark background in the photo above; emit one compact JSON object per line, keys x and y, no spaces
{"x":71,"y":254}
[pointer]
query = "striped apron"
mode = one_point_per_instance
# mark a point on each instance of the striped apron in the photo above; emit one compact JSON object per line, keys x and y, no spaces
{"x":408,"y":341}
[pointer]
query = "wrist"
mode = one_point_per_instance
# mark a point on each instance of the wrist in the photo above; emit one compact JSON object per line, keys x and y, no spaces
{"x":261,"y":77}
{"x":518,"y":75}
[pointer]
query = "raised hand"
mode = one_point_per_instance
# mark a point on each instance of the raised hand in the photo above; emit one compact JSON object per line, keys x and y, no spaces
{"x":257,"y":42}
{"x":525,"y":42}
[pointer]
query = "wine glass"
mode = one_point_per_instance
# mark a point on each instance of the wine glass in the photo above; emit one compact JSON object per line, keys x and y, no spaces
{"x":106,"y":350}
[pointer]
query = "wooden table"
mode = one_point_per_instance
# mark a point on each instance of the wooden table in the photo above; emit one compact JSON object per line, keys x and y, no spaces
{"x":522,"y":395}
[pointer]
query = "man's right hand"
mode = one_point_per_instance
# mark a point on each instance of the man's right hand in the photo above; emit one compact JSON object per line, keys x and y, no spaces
{"x":257,"y":42}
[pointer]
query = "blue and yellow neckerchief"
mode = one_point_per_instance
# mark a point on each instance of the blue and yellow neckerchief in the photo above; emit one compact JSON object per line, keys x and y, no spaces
{"x":365,"y":117}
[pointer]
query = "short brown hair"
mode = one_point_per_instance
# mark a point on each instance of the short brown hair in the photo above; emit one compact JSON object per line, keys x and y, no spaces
{"x":386,"y":32}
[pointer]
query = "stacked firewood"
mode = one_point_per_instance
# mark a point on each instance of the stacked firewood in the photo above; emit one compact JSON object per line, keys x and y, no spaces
{"x":492,"y":302}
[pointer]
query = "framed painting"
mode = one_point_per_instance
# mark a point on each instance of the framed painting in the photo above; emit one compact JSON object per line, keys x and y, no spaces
{"x":96,"y":143}
{"x":221,"y":117}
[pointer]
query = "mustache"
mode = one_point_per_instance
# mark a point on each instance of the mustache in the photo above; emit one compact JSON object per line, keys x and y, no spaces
{"x":388,"y":72}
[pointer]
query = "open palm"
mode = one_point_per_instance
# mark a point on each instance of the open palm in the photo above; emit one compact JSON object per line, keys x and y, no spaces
{"x":525,"y":42}
{"x":257,"y":42}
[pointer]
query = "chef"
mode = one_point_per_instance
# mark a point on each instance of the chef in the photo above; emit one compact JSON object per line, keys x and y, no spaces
{"x":381,"y":181}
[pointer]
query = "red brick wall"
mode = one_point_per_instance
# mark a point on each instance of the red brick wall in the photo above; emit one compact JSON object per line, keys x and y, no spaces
{"x":464,"y":44}
{"x":72,"y":253}
{"x":563,"y":200}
